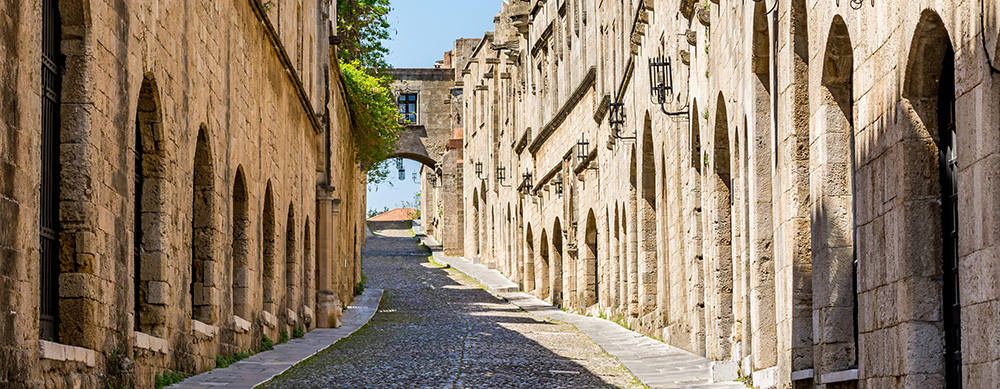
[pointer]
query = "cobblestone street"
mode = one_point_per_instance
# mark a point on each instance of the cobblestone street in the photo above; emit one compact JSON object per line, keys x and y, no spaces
{"x":437,"y":329}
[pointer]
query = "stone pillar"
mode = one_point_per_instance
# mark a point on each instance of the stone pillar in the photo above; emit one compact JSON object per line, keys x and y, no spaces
{"x":328,"y":305}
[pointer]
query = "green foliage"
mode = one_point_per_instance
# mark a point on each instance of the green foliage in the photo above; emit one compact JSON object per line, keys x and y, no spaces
{"x":284,"y":337}
{"x":415,"y":204}
{"x":223,"y":361}
{"x":168,"y":378}
{"x":363,"y":29}
{"x":266,"y":344}
{"x":373,"y":212}
{"x":374,"y":113}
{"x":298,"y":332}
{"x":359,"y":288}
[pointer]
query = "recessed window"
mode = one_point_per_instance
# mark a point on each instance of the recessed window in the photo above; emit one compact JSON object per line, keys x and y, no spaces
{"x":407,"y":104}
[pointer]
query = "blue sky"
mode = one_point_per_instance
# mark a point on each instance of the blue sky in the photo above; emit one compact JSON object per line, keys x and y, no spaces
{"x":424,"y":30}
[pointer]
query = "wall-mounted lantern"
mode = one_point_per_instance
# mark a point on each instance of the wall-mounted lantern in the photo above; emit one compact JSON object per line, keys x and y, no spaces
{"x":661,"y":84}
{"x":399,"y":167}
{"x":526,"y":183}
{"x":616,"y":119}
{"x":479,"y":170}
{"x":582,"y":149}
{"x":502,"y":176}
{"x":559,"y":185}
{"x":435,"y":182}
{"x":416,"y":178}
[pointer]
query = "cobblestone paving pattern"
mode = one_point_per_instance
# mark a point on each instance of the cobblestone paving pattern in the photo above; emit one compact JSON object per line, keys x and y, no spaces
{"x":437,"y":329}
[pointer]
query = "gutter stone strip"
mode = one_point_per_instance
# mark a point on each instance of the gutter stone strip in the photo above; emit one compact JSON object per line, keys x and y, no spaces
{"x":262,"y":367}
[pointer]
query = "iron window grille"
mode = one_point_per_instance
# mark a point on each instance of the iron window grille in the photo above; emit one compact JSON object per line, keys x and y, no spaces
{"x":49,"y":226}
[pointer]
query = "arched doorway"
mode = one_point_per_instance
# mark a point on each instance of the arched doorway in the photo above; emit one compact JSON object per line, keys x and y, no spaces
{"x":592,"y":287}
{"x":557,"y":264}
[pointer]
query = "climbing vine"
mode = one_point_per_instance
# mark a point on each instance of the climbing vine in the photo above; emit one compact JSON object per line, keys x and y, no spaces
{"x":376,"y":126}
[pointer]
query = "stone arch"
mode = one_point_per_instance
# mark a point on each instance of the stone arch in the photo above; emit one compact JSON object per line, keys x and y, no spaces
{"x":292,"y":280}
{"x":647,"y":269}
{"x":556,"y":264}
{"x":66,"y":108}
{"x":761,"y":44}
{"x":204,"y":282}
{"x":542,"y":267}
{"x":832,"y":209}
{"x":720,"y":265}
{"x":508,"y":246}
{"x":923,"y":206}
{"x":475,"y":222}
{"x":308,"y":275}
{"x":631,"y":233}
{"x":614,"y":265}
{"x":422,"y":158}
{"x":484,"y":213}
{"x":529,"y":260}
{"x":591,"y":289}
{"x":695,"y":139}
{"x":269,"y":261}
{"x":151,"y":287}
{"x":760,"y":335}
{"x":242,"y":272}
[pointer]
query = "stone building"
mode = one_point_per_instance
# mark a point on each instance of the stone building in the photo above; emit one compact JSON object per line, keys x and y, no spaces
{"x":177,"y":182}
{"x":430,"y":108}
{"x":806,"y":190}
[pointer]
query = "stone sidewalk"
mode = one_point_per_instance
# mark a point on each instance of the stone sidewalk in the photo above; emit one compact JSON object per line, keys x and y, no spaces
{"x":653,"y":363}
{"x":261,"y":367}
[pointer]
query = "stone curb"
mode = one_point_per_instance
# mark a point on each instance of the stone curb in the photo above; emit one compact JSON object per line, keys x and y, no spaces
{"x":262,"y":367}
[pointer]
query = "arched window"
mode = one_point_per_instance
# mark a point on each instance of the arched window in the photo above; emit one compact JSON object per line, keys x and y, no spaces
{"x":591,"y":294}
{"x":557,"y":264}
{"x":720,"y":276}
{"x":271,"y":298}
{"x":203,"y":233}
{"x":832,"y":196}
{"x":291,"y":267}
{"x":242,"y":274}
{"x":151,"y":288}
{"x":542,"y":267}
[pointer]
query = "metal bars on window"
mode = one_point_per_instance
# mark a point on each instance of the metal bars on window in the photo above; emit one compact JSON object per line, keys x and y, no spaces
{"x":49,"y":189}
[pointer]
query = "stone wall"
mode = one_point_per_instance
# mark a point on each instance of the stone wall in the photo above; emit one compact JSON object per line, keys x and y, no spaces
{"x":192,"y":172}
{"x":781,"y":210}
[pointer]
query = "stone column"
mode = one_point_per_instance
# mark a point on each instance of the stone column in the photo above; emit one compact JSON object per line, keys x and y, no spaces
{"x":328,"y":306}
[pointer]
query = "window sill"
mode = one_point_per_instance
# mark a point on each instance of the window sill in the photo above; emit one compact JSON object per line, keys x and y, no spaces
{"x":240,"y":326}
{"x":149,"y":342}
{"x":203,"y":331}
{"x":269,"y":320}
{"x":802,"y":375}
{"x":65,"y":353}
{"x":839,"y":376}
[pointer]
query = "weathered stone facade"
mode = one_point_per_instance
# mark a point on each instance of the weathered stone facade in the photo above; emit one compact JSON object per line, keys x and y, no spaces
{"x":785,"y":204}
{"x":434,"y":139}
{"x":193,"y":173}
